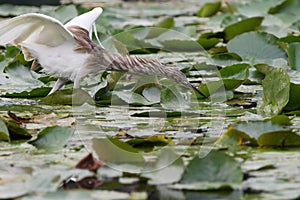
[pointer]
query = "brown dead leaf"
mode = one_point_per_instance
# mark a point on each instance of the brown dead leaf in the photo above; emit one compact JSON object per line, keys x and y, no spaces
{"x":90,"y":163}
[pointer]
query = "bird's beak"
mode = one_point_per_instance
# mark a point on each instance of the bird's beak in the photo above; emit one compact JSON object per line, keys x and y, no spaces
{"x":197,"y":91}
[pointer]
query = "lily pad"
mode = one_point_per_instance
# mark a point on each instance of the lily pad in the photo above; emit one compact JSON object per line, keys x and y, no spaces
{"x":68,"y":97}
{"x":167,"y":169}
{"x":160,"y":27}
{"x":293,"y":55}
{"x":294,"y":99}
{"x":118,"y":155}
{"x":233,"y":76}
{"x":262,"y":133}
{"x":246,"y":25}
{"x":4,"y":134}
{"x":207,"y":40}
{"x":257,"y":48}
{"x":276,"y":88}
{"x":132,"y":97}
{"x":209,"y":9}
{"x":53,"y":138}
{"x":216,"y":167}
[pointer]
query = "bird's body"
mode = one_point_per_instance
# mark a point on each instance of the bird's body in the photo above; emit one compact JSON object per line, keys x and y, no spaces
{"x":68,"y":53}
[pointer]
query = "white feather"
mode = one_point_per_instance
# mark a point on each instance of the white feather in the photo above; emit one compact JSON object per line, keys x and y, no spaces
{"x":86,"y":20}
{"x":49,"y":41}
{"x":36,"y":28}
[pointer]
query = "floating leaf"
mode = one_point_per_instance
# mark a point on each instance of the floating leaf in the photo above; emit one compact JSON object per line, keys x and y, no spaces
{"x":160,"y":27}
{"x":294,"y":99}
{"x":116,"y":151}
{"x":177,"y":45}
{"x":53,"y":138}
{"x":262,"y":133}
{"x":209,"y":9}
{"x":68,"y":97}
{"x":204,"y":186}
{"x":233,"y":76}
{"x":167,"y":169}
{"x":217,"y":167}
{"x":36,"y":92}
{"x":257,"y":48}
{"x":276,"y":88}
{"x":207,"y":40}
{"x":171,"y":99}
{"x":286,"y":6}
{"x":246,"y":25}
{"x":4,"y":134}
{"x":150,"y":142}
{"x":64,"y":13}
{"x":152,"y":94}
{"x":255,"y":8}
{"x":293,"y":55}
{"x":131,"y":97}
{"x":16,"y":131}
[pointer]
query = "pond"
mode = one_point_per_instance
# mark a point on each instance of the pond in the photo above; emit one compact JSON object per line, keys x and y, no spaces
{"x":123,"y":136}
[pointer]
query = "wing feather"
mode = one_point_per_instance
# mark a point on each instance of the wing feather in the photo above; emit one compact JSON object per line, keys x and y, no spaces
{"x":34,"y":28}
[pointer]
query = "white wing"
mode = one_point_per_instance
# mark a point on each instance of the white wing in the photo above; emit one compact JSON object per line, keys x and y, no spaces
{"x":86,"y":20}
{"x":34,"y":28}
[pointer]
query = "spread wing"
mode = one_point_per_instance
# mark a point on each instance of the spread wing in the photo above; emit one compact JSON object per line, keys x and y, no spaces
{"x":34,"y":28}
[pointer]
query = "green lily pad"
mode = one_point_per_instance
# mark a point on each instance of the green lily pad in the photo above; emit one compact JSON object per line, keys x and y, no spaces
{"x":209,"y":9}
{"x":116,"y":151}
{"x":294,"y":99}
{"x":64,"y":13}
{"x":261,"y":133}
{"x":207,"y":40}
{"x":216,"y":167}
{"x":68,"y":97}
{"x":53,"y":138}
{"x":293,"y":55}
{"x":176,"y":45}
{"x":132,"y":97}
{"x":286,"y":6}
{"x":167,"y":169}
{"x":276,"y":88}
{"x":233,"y":76}
{"x":160,"y":27}
{"x":246,"y":25}
{"x":204,"y":186}
{"x":4,"y":134}
{"x":257,"y":48}
{"x":16,"y":131}
{"x":34,"y":93}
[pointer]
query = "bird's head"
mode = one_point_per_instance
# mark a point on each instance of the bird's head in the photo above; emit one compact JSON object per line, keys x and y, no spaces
{"x":179,"y":77}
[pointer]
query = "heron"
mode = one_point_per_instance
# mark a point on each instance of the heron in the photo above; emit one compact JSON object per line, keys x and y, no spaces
{"x":68,"y":53}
